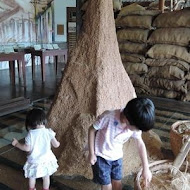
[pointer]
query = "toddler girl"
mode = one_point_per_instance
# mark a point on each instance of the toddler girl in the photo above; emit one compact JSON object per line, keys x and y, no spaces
{"x":41,"y":162}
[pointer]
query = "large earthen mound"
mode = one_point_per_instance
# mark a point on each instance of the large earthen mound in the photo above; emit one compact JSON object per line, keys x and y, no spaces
{"x":94,"y":80}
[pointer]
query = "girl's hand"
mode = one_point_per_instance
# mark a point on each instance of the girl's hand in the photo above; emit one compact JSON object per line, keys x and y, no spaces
{"x":147,"y":176}
{"x":14,"y":142}
{"x":92,"y":159}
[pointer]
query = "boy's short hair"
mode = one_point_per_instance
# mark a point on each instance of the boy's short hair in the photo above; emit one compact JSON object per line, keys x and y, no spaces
{"x":35,"y":117}
{"x":141,"y":113}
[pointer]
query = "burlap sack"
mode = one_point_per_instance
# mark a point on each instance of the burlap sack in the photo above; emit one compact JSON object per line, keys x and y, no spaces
{"x":137,"y":79}
{"x":175,"y":36}
{"x":162,"y":51}
{"x":131,"y":47}
{"x":180,"y":18}
{"x":135,"y":68}
{"x":133,"y":35}
{"x":186,"y":97}
{"x":187,"y":77}
{"x":130,"y":9}
{"x":166,"y":72}
{"x":135,"y":21}
{"x":145,"y":12}
{"x":138,"y":83}
{"x":167,"y":84}
{"x":141,"y":90}
{"x":168,"y":62}
{"x":188,"y":85}
{"x":134,"y":58}
{"x":165,"y":93}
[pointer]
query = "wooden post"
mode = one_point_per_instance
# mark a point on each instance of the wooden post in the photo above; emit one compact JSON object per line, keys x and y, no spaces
{"x":171,"y":5}
{"x":161,"y":5}
{"x":181,"y":156}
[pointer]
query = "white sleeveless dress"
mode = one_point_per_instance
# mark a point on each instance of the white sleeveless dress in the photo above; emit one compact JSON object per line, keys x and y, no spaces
{"x":40,"y":161}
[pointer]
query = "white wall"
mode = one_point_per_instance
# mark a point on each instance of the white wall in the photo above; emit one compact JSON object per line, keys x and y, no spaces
{"x":60,"y":16}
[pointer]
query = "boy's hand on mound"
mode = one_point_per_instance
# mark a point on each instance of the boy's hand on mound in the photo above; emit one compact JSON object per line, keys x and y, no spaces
{"x":147,"y":176}
{"x":92,"y":159}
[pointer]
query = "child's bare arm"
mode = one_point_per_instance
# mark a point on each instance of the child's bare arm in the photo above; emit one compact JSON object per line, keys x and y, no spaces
{"x":55,"y":143}
{"x":91,"y":138}
{"x":20,"y":146}
{"x":147,"y":175}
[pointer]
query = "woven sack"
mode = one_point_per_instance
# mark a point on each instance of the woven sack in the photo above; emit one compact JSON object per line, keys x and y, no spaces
{"x":135,"y":21}
{"x":135,"y":68}
{"x":138,"y":83}
{"x":188,"y":85}
{"x":137,"y":80}
{"x":174,"y":36}
{"x":176,"y":85}
{"x":132,"y":35}
{"x":163,"y":51}
{"x":142,"y":89}
{"x":131,"y":47}
{"x":187,"y":77}
{"x":166,"y":72}
{"x":177,"y":136}
{"x":144,"y":12}
{"x":165,"y":93}
{"x":134,"y":58}
{"x":162,"y":178}
{"x":186,"y":97}
{"x":175,"y":19}
{"x":184,"y":66}
{"x":130,"y":9}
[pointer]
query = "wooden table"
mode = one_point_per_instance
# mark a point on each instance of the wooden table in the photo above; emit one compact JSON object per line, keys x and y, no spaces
{"x":12,"y":57}
{"x":42,"y":54}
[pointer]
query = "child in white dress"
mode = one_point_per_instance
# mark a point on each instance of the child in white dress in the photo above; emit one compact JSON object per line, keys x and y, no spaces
{"x":41,"y":162}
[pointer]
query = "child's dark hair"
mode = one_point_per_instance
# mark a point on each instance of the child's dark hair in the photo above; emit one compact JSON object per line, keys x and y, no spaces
{"x":141,"y":113}
{"x":35,"y":117}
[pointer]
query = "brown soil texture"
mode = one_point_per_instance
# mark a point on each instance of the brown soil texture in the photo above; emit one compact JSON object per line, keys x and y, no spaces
{"x":94,"y":80}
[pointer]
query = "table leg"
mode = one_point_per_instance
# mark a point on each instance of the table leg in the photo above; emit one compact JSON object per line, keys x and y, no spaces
{"x":56,"y":63}
{"x":12,"y":71}
{"x":19,"y":68}
{"x":65,"y":56}
{"x":43,"y":67}
{"x":23,"y":71}
{"x":33,"y":66}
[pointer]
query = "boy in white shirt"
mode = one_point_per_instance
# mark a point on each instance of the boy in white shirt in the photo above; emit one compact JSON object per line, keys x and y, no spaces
{"x":107,"y":136}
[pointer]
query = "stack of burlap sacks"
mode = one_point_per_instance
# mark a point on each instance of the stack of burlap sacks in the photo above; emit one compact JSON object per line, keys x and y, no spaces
{"x":154,"y":50}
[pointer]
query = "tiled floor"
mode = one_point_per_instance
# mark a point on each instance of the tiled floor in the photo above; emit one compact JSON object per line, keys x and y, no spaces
{"x":13,"y":125}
